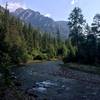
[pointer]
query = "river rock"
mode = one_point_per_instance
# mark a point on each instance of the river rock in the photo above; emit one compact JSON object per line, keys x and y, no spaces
{"x":17,"y":83}
{"x":40,"y":89}
{"x":30,"y":92}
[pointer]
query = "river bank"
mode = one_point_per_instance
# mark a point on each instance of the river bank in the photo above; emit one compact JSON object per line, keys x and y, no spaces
{"x":84,"y":68}
{"x":49,"y":81}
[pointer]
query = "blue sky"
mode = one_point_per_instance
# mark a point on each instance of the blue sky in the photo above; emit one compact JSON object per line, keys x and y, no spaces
{"x":57,"y":9}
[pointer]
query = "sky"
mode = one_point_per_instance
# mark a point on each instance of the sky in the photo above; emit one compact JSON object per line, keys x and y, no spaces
{"x":57,"y":9}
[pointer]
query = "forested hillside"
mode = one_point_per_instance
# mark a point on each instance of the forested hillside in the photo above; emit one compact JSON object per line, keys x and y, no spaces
{"x":21,"y":43}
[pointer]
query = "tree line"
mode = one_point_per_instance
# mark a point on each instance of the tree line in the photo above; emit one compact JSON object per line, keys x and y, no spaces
{"x":84,"y":39}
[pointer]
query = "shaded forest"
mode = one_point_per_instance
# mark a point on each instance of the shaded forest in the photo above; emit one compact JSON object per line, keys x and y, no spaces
{"x":85,"y":39}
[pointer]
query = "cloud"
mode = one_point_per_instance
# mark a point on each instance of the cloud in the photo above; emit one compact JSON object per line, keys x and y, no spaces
{"x":12,"y":6}
{"x":73,"y":2}
{"x":13,"y":1}
{"x":47,"y":15}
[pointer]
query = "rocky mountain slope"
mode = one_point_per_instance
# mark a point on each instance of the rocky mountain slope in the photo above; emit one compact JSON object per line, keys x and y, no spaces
{"x":41,"y":22}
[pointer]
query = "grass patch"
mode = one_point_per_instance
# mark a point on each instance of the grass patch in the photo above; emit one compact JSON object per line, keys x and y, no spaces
{"x":83,"y":68}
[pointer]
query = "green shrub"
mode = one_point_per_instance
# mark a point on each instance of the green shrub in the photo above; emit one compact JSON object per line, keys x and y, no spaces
{"x":45,"y":56}
{"x":71,"y":54}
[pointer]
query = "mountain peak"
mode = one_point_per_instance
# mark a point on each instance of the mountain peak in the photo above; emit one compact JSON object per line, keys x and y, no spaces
{"x":46,"y":24}
{"x":19,"y":9}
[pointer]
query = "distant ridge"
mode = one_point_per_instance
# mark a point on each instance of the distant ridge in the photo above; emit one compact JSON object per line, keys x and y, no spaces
{"x":42,"y":22}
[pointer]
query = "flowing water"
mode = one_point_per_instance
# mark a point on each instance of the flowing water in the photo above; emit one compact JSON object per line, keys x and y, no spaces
{"x":43,"y":80}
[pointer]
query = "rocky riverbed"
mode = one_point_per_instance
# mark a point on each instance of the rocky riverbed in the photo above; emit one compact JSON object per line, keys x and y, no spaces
{"x":49,"y":81}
